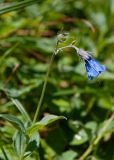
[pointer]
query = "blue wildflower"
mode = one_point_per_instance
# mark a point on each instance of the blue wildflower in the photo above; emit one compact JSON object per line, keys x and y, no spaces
{"x":93,"y":67}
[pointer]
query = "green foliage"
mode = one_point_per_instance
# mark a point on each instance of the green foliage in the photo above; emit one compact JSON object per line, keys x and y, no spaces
{"x":16,"y":6}
{"x":21,"y":109}
{"x":29,"y":31}
{"x":47,"y":120}
{"x":14,"y":120}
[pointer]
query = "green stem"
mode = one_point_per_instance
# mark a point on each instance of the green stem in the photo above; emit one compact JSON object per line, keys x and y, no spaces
{"x":104,"y":129}
{"x":43,"y":90}
{"x":98,"y":138}
{"x":57,"y":50}
{"x":86,"y":153}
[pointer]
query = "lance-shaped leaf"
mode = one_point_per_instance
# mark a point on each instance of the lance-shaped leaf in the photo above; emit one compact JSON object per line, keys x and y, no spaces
{"x":21,"y":109}
{"x":6,"y":156}
{"x":14,"y":120}
{"x":19,"y":142}
{"x":48,"y":119}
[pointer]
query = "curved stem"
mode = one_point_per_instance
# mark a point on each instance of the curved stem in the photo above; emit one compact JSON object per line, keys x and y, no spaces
{"x":86,"y":153}
{"x":69,"y":46}
{"x":46,"y":78}
{"x":98,"y":138}
{"x":43,"y":90}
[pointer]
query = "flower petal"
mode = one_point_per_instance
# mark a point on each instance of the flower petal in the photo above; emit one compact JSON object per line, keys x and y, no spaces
{"x":91,"y":71}
{"x":93,"y":68}
{"x":96,"y":65}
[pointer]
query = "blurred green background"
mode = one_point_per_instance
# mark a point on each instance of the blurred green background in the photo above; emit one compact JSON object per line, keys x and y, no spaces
{"x":27,"y":41}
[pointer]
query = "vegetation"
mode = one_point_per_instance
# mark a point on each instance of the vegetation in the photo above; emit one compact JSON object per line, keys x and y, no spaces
{"x":49,"y":110}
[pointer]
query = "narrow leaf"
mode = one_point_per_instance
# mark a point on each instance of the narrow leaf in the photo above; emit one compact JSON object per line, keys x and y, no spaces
{"x":48,"y":119}
{"x":21,"y":109}
{"x":16,"y":6}
{"x":19,"y":142}
{"x":14,"y":120}
{"x":44,"y":122}
{"x":5,"y":154}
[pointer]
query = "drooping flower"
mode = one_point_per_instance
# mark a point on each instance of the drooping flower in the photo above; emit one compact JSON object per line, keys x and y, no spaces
{"x":93,"y":67}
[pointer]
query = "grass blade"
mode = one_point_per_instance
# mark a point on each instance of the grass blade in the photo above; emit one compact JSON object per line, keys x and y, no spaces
{"x":16,"y":6}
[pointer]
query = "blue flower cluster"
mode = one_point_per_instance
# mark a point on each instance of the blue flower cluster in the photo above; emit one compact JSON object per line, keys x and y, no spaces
{"x":93,"y":67}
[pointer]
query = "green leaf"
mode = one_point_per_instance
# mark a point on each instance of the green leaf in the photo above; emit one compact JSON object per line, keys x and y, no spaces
{"x":16,"y":6}
{"x":48,"y":119}
{"x":33,"y":144}
{"x":19,"y":142}
{"x":79,"y":138}
{"x":7,"y":53}
{"x":62,"y":104}
{"x":14,"y":120}
{"x":67,"y":155}
{"x":21,"y":109}
{"x":4,"y":153}
{"x":92,"y":126}
{"x":75,"y":125}
{"x":105,"y":102}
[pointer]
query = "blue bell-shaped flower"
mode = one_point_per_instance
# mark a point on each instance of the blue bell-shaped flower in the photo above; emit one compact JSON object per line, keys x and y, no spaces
{"x":93,"y":68}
